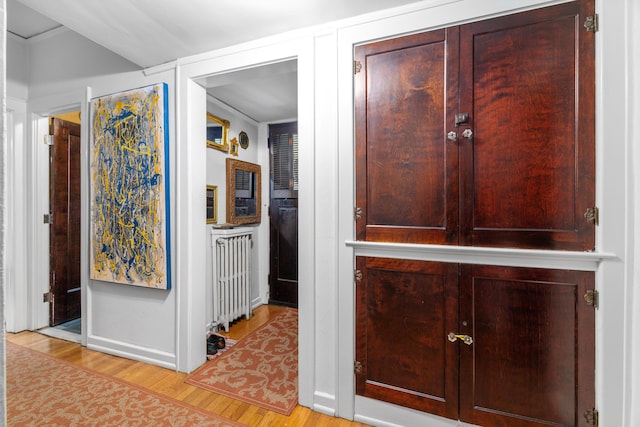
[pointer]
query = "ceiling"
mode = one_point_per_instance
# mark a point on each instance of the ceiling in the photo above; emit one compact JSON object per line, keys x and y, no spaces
{"x":152,"y":32}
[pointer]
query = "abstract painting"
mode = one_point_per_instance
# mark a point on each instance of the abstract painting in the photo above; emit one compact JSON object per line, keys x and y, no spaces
{"x":129,"y":167}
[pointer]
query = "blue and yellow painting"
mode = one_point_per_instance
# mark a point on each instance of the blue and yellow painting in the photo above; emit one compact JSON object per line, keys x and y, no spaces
{"x":130,"y":188}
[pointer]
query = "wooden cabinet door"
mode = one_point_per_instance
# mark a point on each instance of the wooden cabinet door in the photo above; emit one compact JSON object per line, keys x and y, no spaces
{"x":482,"y":134}
{"x":528,"y":168}
{"x":404,"y":311}
{"x":532,"y":360}
{"x":407,"y":179}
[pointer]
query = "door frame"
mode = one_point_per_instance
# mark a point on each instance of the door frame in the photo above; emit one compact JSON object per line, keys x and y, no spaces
{"x":37,"y":126}
{"x":54,"y":292}
{"x":189,"y":74}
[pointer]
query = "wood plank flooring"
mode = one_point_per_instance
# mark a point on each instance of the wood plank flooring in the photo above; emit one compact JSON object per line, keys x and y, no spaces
{"x":171,"y":383}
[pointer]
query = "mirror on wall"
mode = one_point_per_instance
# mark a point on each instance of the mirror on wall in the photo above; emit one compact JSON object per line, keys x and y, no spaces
{"x":217,"y":133}
{"x":243,"y":192}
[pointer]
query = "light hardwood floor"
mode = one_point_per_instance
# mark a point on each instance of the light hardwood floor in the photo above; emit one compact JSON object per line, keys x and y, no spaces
{"x":171,"y":383}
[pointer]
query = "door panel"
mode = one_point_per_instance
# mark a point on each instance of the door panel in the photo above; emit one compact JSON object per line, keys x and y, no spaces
{"x":532,"y":360}
{"x":528,"y":172}
{"x":65,"y":229}
{"x":404,"y":311}
{"x":284,"y":243}
{"x":283,"y":214}
{"x":407,"y":184}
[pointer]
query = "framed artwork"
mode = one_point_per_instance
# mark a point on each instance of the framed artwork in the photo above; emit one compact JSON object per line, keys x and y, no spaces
{"x":212,"y":204}
{"x":234,"y":147}
{"x":129,"y":167}
{"x":217,"y":133}
{"x":244,"y":140}
{"x":243,"y":192}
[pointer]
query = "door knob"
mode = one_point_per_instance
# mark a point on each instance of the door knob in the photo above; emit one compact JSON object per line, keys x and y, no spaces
{"x":452,"y":136}
{"x":468,"y":133}
{"x":464,"y":338}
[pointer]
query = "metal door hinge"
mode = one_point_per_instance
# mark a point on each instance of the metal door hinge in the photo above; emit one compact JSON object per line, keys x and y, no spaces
{"x":592,"y":215}
{"x":357,"y":367}
{"x":48,"y":140}
{"x":591,"y":415}
{"x":46,"y":297}
{"x":357,"y":274}
{"x":47,"y":218}
{"x":592,"y":297}
{"x":591,"y":23}
{"x":357,"y":213}
{"x":357,"y":67}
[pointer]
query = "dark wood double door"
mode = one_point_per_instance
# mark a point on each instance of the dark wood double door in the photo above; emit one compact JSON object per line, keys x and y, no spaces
{"x":478,"y":135}
{"x":529,"y":357}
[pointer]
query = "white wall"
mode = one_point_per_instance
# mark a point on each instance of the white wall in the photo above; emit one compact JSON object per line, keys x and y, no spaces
{"x":61,"y":61}
{"x":16,"y":255}
{"x":3,"y":224}
{"x":632,"y":411}
{"x":17,"y":67}
{"x":130,"y":321}
{"x":216,"y":175}
{"x":216,"y":169}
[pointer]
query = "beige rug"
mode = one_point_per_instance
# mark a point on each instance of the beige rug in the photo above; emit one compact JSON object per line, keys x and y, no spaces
{"x":45,"y":391}
{"x":261,"y":369}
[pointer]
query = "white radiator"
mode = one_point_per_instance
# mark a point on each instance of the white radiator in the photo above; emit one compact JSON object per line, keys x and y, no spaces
{"x":232,"y":276}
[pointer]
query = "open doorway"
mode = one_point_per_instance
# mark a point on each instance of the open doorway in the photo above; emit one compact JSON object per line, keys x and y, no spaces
{"x":283,"y":214}
{"x":267,"y":96}
{"x":64,"y":294}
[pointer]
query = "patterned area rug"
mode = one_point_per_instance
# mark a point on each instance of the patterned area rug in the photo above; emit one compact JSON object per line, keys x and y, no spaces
{"x":261,"y":369}
{"x":45,"y":391}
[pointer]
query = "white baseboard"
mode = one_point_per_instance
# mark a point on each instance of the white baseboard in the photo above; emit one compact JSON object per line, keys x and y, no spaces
{"x":324,"y":403}
{"x":382,"y":414}
{"x":142,"y":354}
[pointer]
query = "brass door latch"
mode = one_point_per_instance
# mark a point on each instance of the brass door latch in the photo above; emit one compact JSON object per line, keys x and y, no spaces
{"x":464,"y":338}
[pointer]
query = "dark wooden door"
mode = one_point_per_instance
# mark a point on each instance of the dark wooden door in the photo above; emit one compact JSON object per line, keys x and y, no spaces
{"x":481,"y":134}
{"x":64,"y":245}
{"x":406,"y":168}
{"x":532,"y":360}
{"x":528,"y":169}
{"x":404,"y":310}
{"x":283,"y":214}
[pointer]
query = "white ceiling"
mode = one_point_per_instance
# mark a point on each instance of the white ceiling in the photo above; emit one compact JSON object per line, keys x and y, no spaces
{"x":152,"y":32}
{"x":25,"y":22}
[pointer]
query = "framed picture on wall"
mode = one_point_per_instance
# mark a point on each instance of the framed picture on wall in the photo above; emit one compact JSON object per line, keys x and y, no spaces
{"x":234,"y":147}
{"x":212,"y":204}
{"x":217,"y":133}
{"x":244,"y":140}
{"x":129,"y":202}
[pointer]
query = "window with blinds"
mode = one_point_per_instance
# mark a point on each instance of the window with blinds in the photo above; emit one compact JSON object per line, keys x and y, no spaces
{"x":283,"y":140}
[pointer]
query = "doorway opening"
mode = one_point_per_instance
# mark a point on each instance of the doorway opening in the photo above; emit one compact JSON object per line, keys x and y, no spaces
{"x":283,"y":214}
{"x":260,"y":97}
{"x":64,"y":218}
